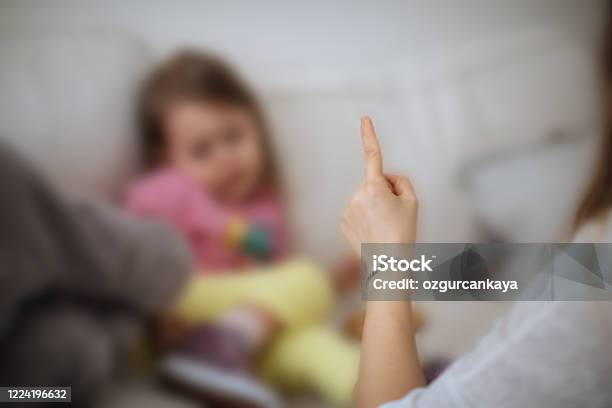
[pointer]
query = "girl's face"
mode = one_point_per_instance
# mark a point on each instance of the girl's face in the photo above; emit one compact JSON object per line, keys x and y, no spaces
{"x":218,"y":145}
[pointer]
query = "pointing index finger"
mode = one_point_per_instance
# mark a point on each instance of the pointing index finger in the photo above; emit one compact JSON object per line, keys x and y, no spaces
{"x":371,"y":150}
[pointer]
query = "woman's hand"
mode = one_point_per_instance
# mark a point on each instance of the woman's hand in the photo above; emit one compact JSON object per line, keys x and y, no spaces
{"x":384,"y":208}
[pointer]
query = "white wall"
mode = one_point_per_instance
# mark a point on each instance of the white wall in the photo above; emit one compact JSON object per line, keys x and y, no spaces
{"x":445,"y":80}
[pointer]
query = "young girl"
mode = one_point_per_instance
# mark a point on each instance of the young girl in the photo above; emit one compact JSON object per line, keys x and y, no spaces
{"x":211,"y":175}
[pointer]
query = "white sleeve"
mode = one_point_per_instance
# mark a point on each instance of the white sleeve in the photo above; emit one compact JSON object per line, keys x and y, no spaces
{"x":543,"y":354}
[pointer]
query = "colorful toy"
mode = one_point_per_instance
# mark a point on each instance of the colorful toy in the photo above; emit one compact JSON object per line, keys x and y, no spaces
{"x":251,"y":238}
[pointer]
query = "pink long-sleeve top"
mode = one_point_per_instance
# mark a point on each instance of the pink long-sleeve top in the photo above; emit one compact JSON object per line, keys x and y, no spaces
{"x":222,"y":237}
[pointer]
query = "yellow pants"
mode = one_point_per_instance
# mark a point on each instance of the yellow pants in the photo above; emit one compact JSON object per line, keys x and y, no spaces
{"x":306,"y":355}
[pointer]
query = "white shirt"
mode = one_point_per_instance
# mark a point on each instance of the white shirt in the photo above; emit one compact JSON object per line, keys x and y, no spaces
{"x":542,"y":354}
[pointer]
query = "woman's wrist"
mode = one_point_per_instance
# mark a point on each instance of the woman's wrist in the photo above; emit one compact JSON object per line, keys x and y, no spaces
{"x":391,"y":312}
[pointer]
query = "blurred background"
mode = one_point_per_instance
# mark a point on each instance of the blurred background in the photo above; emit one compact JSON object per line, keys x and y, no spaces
{"x":489,"y":106}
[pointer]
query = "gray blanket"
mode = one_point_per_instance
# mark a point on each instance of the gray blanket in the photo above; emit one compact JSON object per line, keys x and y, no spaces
{"x":74,"y":279}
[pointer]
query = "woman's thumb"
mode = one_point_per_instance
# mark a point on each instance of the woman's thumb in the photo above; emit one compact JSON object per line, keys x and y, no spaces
{"x":402,"y":187}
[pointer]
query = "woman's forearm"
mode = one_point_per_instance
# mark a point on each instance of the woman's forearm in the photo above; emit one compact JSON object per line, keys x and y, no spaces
{"x":389,"y":366}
